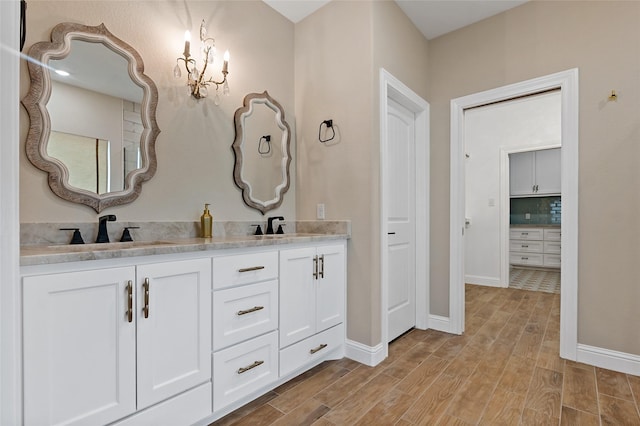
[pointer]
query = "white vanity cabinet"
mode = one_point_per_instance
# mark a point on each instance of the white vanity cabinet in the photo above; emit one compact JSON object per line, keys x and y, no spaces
{"x":245,"y":323}
{"x":535,"y":173}
{"x":312,"y":288}
{"x":102,"y":344}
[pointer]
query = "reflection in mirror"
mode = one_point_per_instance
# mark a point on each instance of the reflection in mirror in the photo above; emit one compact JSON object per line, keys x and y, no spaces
{"x":92,"y":112}
{"x":262,"y":150}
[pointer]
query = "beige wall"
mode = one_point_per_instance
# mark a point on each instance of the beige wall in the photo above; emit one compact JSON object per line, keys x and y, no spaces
{"x":338,"y":53}
{"x":602,"y":40}
{"x":195,"y":160}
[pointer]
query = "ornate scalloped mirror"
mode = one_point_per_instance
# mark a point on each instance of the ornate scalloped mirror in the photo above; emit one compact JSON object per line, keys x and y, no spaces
{"x":262,"y":151}
{"x":93,"y":116}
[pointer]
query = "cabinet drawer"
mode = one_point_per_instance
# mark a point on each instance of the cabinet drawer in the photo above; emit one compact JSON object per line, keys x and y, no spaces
{"x":525,"y":234}
{"x":525,"y":246}
{"x":229,"y":271}
{"x":552,"y":260}
{"x":552,"y":247}
{"x":244,"y":369}
{"x":310,"y":349}
{"x":533,"y":259}
{"x":552,"y":234}
{"x":241,"y":313}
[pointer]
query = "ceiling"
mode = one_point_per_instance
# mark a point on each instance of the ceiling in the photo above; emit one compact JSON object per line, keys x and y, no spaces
{"x":432,"y":17}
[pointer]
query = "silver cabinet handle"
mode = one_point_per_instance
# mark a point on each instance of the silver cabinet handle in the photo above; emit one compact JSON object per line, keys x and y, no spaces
{"x":318,"y":349}
{"x":145,"y":287}
{"x":321,"y":273}
{"x":248,"y":311}
{"x":253,"y":268}
{"x":249,"y":367}
{"x":525,"y":245}
{"x":315,"y":267}
{"x":129,"y":301}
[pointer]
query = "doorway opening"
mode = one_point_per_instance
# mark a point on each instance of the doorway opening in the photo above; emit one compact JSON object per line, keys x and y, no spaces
{"x":567,"y":83}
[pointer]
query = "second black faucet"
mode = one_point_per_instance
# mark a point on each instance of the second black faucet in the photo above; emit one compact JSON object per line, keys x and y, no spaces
{"x":103,"y":235}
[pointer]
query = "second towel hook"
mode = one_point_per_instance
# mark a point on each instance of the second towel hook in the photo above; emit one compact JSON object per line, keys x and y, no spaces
{"x":329,"y":125}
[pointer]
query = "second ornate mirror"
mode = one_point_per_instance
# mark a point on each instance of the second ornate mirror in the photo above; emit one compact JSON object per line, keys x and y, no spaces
{"x":262,"y":151}
{"x":93,"y":116}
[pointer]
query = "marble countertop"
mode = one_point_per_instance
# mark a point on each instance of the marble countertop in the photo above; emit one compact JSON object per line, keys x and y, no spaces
{"x":62,"y":253}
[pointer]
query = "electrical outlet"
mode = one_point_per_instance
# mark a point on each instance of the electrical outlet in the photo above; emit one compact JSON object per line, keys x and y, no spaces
{"x":320,"y":211}
{"x":527,"y":216}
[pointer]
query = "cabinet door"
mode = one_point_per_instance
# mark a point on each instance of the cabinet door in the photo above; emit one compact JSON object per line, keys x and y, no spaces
{"x":79,"y":347}
{"x":547,"y":171}
{"x":330,"y":287}
{"x":297,"y":295}
{"x":174,"y":328}
{"x":521,"y":173}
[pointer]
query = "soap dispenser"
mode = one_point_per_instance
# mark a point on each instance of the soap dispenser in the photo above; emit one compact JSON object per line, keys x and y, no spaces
{"x":206,"y":222}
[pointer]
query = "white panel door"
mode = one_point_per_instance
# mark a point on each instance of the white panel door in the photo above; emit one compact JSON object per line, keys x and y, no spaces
{"x":174,"y":328}
{"x":79,"y":347}
{"x":297,"y":295}
{"x":401,"y":219}
{"x":330,"y":286}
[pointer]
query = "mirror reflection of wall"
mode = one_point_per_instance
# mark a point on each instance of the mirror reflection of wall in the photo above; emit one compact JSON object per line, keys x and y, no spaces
{"x":87,"y":159}
{"x":81,"y":112}
{"x":263,"y":170}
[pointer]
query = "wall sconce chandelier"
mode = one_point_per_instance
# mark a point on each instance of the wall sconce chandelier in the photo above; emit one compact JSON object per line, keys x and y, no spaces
{"x":196,"y":80}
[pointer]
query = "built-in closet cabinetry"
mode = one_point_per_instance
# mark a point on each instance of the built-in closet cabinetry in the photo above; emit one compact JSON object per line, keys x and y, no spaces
{"x":535,"y":246}
{"x":102,"y":344}
{"x":176,"y":338}
{"x":535,"y":173}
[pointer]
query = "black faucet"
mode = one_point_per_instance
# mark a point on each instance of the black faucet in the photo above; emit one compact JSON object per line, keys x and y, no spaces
{"x":270,"y":223}
{"x":103,"y":235}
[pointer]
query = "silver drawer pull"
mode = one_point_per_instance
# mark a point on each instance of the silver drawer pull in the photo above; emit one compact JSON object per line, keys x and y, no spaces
{"x":253,"y":268}
{"x":319,"y":348}
{"x":524,"y":233}
{"x":249,"y":367}
{"x":248,"y":311}
{"x":525,"y":258}
{"x":525,"y":245}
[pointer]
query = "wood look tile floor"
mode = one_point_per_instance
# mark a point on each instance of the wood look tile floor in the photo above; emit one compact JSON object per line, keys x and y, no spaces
{"x":504,"y":370}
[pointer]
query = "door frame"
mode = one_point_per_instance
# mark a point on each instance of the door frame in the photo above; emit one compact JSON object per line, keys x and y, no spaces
{"x":10,"y":368}
{"x":567,"y":82}
{"x":392,"y":88}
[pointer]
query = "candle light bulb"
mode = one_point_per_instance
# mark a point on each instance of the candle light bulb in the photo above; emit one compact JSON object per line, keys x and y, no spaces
{"x":225,"y":64}
{"x":187,"y":44}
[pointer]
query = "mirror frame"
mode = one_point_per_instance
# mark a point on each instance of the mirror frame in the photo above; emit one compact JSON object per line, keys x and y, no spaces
{"x":262,"y":206}
{"x":35,"y":102}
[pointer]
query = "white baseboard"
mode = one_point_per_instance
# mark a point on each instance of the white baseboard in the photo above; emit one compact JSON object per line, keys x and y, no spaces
{"x":364,"y":354}
{"x":480,"y":280}
{"x":439,"y":323}
{"x":611,"y":360}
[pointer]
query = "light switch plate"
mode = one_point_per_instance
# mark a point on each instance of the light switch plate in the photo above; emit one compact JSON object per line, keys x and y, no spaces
{"x":320,"y":211}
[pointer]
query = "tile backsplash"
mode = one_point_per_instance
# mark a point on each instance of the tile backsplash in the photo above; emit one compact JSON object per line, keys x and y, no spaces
{"x":540,"y":211}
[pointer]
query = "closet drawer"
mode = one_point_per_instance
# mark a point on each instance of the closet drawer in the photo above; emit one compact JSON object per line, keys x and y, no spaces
{"x":229,"y":271}
{"x":552,"y":247}
{"x":526,"y":234}
{"x":533,"y":259}
{"x":244,"y":369}
{"x":552,"y":234}
{"x":552,"y":260}
{"x":525,"y":246}
{"x":241,"y":313}
{"x":314,"y":347}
